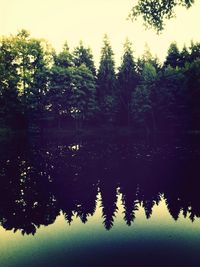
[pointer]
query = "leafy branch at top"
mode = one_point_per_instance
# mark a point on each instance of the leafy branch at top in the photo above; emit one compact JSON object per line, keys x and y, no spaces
{"x":154,"y":13}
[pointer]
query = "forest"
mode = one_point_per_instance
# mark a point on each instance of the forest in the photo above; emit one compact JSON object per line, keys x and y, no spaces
{"x":44,"y":89}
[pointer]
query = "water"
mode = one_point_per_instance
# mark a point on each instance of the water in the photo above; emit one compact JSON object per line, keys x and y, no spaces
{"x":100,"y":201}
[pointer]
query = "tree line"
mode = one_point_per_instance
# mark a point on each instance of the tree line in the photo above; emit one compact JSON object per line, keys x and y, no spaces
{"x":41,"y":88}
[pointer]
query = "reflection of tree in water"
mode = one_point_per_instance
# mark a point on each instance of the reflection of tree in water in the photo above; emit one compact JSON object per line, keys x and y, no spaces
{"x":130,"y":205}
{"x":129,"y":189}
{"x":108,"y":204}
{"x":26,"y":199}
{"x":38,"y":180}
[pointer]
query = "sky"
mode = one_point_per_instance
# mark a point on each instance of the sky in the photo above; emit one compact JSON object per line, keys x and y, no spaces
{"x":88,"y":20}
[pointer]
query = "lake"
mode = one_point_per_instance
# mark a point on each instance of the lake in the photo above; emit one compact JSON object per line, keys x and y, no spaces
{"x":100,"y":201}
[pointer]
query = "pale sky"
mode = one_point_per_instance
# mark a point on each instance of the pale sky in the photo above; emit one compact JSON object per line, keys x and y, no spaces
{"x":88,"y":20}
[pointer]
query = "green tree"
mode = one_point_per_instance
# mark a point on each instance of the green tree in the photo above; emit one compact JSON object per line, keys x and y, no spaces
{"x":126,"y":83}
{"x":171,"y":99}
{"x":194,"y":51}
{"x":173,"y":56}
{"x":34,"y":59}
{"x":147,"y":57}
{"x":184,"y":57}
{"x":59,"y":88}
{"x":106,"y":82}
{"x":72,"y":90}
{"x":176,"y":58}
{"x":28,"y":68}
{"x":83,"y":104}
{"x":82,"y":55}
{"x":64,"y":58}
{"x":58,"y":103}
{"x":143,"y":105}
{"x":10,"y":107}
{"x":192,"y":80}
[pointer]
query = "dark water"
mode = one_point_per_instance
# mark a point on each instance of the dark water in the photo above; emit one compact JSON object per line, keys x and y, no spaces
{"x":112,"y":201}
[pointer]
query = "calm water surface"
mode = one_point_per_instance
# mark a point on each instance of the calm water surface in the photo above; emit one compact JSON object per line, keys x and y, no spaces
{"x":112,"y":201}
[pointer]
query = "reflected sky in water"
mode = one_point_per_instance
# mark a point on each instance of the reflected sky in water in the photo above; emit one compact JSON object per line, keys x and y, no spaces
{"x":99,"y":202}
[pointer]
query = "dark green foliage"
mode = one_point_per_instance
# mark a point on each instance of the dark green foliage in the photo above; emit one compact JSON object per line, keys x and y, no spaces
{"x":194,"y":51}
{"x":32,"y":59}
{"x":192,"y":79}
{"x":82,"y":55}
{"x":24,"y":70}
{"x":59,"y":93}
{"x":64,"y":58}
{"x":83,"y":94}
{"x":147,"y":57}
{"x":184,"y":57}
{"x":173,"y":57}
{"x":10,"y":108}
{"x":171,"y":99}
{"x":143,"y":104}
{"x":176,"y":58}
{"x":72,"y":89}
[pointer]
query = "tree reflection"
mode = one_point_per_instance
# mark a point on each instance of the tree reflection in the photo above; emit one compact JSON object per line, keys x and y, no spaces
{"x":39,"y":179}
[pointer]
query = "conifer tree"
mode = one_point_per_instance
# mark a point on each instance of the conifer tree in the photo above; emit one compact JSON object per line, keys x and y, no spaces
{"x":82,"y":55}
{"x":173,"y":56}
{"x":106,"y":82}
{"x":126,"y":82}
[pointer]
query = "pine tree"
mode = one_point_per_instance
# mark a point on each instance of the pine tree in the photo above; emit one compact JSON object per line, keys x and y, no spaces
{"x":126,"y":82}
{"x":82,"y":55}
{"x":64,"y":58}
{"x":143,"y":100}
{"x":106,"y":82}
{"x":59,"y":92}
{"x":173,"y":56}
{"x":83,"y":95}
